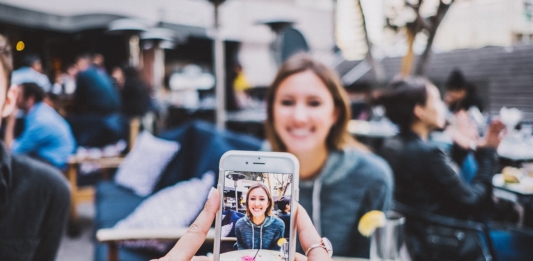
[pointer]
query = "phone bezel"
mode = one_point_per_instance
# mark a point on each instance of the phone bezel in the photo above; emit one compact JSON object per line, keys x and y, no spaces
{"x":272,"y":162}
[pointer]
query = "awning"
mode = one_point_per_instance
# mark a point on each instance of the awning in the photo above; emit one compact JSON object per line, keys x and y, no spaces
{"x":24,"y":17}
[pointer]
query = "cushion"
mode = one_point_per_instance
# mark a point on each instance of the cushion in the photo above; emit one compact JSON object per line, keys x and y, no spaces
{"x":145,"y":162}
{"x":173,"y":207}
{"x":113,"y":203}
{"x":201,"y":146}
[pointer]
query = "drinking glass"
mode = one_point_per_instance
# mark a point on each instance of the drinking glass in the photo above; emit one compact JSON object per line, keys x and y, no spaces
{"x":285,"y":250}
{"x":386,"y":242}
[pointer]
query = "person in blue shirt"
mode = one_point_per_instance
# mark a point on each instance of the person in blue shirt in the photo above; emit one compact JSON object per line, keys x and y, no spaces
{"x":46,"y":135}
{"x":31,"y":71}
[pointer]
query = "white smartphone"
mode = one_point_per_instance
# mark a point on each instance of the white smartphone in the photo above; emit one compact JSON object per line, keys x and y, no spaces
{"x":256,"y":217}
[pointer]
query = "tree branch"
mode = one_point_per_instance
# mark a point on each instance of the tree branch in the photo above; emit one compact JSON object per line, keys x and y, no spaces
{"x":421,"y":21}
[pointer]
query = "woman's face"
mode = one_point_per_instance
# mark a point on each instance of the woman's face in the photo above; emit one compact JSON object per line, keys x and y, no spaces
{"x":257,"y":202}
{"x":433,"y":114}
{"x":304,"y":112}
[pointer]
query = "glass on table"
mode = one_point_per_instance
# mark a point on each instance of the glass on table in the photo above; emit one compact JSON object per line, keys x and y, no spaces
{"x":386,"y":241}
{"x":284,"y":250}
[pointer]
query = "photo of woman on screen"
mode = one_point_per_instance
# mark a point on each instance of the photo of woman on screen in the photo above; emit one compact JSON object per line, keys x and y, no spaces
{"x":259,"y":229}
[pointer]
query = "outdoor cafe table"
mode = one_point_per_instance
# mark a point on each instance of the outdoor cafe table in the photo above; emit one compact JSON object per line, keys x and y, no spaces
{"x":269,"y":255}
{"x":519,"y":193}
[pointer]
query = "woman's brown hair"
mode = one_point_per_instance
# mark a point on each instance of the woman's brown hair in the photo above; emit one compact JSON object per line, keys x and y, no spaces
{"x":338,"y":137}
{"x":268,"y":212}
{"x":400,"y":99}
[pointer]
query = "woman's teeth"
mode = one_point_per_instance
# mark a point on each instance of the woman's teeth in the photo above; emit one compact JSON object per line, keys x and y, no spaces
{"x":300,"y":132}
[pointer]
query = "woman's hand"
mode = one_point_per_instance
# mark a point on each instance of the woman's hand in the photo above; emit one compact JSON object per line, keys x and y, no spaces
{"x":193,"y":239}
{"x":493,"y":135}
{"x":308,"y":236}
{"x":189,"y":244}
{"x":464,"y":131}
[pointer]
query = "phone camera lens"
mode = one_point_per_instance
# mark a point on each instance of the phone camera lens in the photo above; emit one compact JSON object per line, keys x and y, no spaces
{"x":247,"y":162}
{"x":258,"y":158}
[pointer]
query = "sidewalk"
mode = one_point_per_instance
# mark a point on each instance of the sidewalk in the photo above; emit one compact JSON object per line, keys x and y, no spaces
{"x":80,"y":248}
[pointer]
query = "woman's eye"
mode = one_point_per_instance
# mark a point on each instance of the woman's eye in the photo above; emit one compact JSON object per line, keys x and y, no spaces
{"x":287,"y":102}
{"x":314,"y":103}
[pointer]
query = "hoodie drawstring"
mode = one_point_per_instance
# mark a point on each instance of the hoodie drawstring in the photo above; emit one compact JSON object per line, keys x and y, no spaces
{"x":260,"y":236}
{"x":253,"y":236}
{"x":317,"y":189}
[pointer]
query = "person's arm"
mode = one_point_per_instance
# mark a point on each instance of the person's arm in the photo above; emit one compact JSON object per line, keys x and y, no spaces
{"x":187,"y":246}
{"x":30,"y":140}
{"x":450,"y":184}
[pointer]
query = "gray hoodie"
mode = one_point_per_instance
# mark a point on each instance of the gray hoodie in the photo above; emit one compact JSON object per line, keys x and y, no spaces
{"x":265,"y":236}
{"x":350,"y":184}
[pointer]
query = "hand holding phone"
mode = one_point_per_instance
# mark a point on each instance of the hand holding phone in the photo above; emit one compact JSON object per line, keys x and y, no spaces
{"x":189,"y":244}
{"x":255,"y":220}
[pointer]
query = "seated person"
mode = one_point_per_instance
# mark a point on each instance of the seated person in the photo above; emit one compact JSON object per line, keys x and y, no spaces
{"x":431,"y":184}
{"x":229,"y":218}
{"x":308,"y":111}
{"x":96,"y":121}
{"x":259,"y":229}
{"x":461,"y":95}
{"x":34,"y":197}
{"x":284,"y":207}
{"x":424,"y":179}
{"x":46,"y":135}
{"x":133,"y":90}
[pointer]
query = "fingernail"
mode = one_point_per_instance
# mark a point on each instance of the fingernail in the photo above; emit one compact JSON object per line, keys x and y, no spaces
{"x":210,"y":193}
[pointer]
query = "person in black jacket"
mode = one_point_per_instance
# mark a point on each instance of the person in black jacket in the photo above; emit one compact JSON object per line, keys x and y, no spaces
{"x":425,"y":181}
{"x":423,"y":176}
{"x":284,"y":206}
{"x":133,"y":91}
{"x":34,"y":197}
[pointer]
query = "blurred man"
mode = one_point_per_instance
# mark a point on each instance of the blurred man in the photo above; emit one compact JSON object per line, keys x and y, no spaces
{"x":31,"y":71}
{"x":46,"y":135}
{"x":34,"y":197}
{"x":97,"y":120}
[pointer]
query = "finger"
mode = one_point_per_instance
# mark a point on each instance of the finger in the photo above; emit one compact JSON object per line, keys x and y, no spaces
{"x":195,"y":258}
{"x":189,"y":243}
{"x":300,"y":257}
{"x":306,"y":230}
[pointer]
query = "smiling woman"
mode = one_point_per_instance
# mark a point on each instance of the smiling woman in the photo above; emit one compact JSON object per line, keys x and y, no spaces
{"x":259,"y":229}
{"x":308,"y":111}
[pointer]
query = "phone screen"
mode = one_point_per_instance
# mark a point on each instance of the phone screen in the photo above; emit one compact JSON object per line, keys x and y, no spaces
{"x":255,"y":221}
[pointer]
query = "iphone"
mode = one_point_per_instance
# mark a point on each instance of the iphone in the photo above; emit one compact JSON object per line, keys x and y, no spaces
{"x":259,"y":193}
